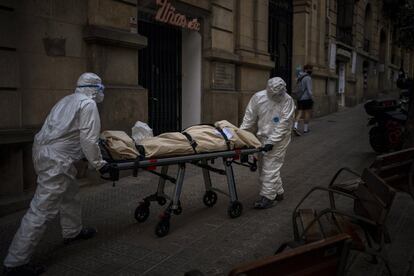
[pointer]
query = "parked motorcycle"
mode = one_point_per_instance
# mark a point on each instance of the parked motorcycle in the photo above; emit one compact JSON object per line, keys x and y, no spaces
{"x":388,"y":121}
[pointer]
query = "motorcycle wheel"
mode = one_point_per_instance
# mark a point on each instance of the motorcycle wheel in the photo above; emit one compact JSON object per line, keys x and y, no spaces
{"x":378,"y":140}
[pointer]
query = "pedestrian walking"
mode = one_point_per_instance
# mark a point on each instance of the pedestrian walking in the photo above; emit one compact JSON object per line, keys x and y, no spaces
{"x":305,"y":102}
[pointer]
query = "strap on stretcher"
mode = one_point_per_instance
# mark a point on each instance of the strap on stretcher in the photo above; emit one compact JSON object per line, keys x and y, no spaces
{"x":136,"y":163}
{"x":194,"y":144}
{"x":190,"y":139}
{"x":225,"y":137}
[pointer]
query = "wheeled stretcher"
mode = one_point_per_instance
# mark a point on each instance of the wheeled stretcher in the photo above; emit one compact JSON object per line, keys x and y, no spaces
{"x":202,"y":160}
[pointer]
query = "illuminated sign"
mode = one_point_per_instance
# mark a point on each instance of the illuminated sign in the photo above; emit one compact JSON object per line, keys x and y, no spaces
{"x":166,"y":13}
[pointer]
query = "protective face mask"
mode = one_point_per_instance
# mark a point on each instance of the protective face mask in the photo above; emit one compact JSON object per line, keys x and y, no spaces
{"x":275,"y":95}
{"x":99,"y":97}
{"x":101,"y":88}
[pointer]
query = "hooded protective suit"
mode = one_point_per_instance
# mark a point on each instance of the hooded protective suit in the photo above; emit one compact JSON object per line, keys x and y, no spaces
{"x":70,"y":132}
{"x":271,"y":112}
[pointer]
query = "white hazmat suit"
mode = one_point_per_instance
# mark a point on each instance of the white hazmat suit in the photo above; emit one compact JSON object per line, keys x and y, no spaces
{"x":271,"y":112}
{"x":70,"y":132}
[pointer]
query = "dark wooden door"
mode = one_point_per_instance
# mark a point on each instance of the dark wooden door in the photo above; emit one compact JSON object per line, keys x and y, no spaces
{"x":280,"y":38}
{"x":160,"y":73}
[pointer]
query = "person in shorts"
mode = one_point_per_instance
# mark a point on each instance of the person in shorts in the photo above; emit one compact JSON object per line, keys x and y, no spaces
{"x":305,"y":103}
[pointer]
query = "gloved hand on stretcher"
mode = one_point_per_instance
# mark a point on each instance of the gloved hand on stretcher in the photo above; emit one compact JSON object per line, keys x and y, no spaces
{"x":110,"y":169}
{"x":267,"y":147}
{"x":105,"y":169}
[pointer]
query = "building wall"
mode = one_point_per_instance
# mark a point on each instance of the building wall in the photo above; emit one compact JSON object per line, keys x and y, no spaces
{"x":48,"y":44}
{"x":56,"y":41}
{"x":238,"y":31}
{"x":316,"y":42}
{"x":45,"y":46}
{"x":237,"y":40}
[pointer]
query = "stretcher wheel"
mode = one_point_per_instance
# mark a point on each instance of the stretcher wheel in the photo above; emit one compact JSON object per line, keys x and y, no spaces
{"x":162,"y":228}
{"x":253,"y":168}
{"x":161,"y":201}
{"x":235,"y":209}
{"x":179,"y":209}
{"x":210,"y":198}
{"x":141,"y":213}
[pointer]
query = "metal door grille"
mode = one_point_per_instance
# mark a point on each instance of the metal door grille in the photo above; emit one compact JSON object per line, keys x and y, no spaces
{"x":160,"y":73}
{"x":280,"y":39}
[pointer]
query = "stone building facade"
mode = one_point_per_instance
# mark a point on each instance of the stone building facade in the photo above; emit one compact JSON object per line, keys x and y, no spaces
{"x":174,"y":76}
{"x":44,"y":46}
{"x":174,"y":63}
{"x":353,"y":47}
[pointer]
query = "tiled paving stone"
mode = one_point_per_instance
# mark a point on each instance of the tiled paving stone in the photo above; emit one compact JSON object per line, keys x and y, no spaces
{"x":96,"y":267}
{"x":140,"y":266}
{"x":128,"y":272}
{"x":126,"y":249}
{"x":156,"y":257}
{"x":62,"y":270}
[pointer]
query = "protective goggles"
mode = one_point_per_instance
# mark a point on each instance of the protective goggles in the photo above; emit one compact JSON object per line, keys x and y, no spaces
{"x":100,"y":86}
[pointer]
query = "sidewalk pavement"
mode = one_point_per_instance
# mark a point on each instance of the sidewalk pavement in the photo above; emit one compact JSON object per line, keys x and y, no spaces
{"x":206,"y":238}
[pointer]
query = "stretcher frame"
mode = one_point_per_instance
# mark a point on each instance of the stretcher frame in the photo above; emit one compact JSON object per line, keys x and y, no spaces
{"x":229,"y":157}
